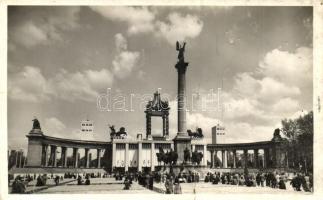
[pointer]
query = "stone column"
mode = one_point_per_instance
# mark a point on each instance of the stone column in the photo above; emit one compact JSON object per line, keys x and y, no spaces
{"x":126,"y":157}
{"x":114,"y":154}
{"x":64,"y":157}
{"x":181,"y":108}
{"x":98,"y":155}
{"x":245,"y":155}
{"x":266,"y":159}
{"x":54,"y":148}
{"x":148,"y":126}
{"x":45,"y":155}
{"x":256,"y":161}
{"x":152,"y":158}
{"x":204,"y":155}
{"x":234,"y":158}
{"x":193,"y":147}
{"x":224,"y":159}
{"x":75,"y":157}
{"x":139,"y":156}
{"x":167,"y":127}
{"x":87,"y":163}
{"x":212,"y":159}
{"x":215,"y":158}
{"x":164,"y":125}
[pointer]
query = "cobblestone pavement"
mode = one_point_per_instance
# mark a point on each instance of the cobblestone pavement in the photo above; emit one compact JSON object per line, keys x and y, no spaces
{"x":208,"y":188}
{"x":114,"y":188}
{"x":110,"y":186}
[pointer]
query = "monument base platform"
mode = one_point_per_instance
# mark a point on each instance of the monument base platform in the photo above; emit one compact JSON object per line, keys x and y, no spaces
{"x":181,"y":142}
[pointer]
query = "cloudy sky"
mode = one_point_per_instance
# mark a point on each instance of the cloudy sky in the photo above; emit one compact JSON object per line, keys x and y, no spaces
{"x":60,"y":59}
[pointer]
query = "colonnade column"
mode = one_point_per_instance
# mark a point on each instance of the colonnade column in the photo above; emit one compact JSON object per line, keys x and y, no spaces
{"x":204,"y":155}
{"x":114,"y":153}
{"x":139,"y":157}
{"x":215,"y":157}
{"x":212,"y":159}
{"x":224,"y":159}
{"x":98,"y":154}
{"x":87,"y":163}
{"x":54,"y":155}
{"x":234,"y":158}
{"x":75,"y":157}
{"x":45,"y":155}
{"x":126,"y":157}
{"x":152,"y":159}
{"x":245,"y":155}
{"x":256,"y":161}
{"x":64,"y":156}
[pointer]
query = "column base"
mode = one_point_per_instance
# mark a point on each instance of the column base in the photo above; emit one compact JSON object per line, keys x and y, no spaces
{"x":181,"y":142}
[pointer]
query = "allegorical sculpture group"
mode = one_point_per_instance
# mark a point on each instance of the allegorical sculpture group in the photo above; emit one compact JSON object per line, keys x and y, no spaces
{"x":120,"y":134}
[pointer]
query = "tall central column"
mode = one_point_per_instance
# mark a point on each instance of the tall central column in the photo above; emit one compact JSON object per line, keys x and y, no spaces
{"x":181,"y":92}
{"x":182,"y":140}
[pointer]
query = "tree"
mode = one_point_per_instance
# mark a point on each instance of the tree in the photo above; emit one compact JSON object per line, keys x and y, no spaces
{"x":299,"y":133}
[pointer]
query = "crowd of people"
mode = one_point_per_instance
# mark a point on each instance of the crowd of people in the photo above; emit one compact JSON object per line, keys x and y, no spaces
{"x":172,"y":182}
{"x":298,"y":181}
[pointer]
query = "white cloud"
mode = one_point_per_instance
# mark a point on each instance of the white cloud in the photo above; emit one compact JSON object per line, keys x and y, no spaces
{"x":246,"y":132}
{"x":143,"y":20}
{"x":139,"y":19}
{"x":31,"y":85}
{"x":242,"y":107}
{"x":179,"y":27}
{"x":121,"y":42}
{"x":54,"y":127}
{"x":273,"y":89}
{"x":286,"y":105}
{"x":44,"y":29}
{"x":290,"y":68}
{"x":125,"y":61}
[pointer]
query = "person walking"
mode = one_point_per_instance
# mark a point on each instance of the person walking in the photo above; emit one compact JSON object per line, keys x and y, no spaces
{"x":178,"y":188}
{"x":168,"y":186}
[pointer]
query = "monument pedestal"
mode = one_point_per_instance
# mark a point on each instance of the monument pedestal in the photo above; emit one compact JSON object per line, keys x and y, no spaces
{"x":181,"y":142}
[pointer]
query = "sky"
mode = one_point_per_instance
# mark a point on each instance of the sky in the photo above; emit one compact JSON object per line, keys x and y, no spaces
{"x":62,"y":61}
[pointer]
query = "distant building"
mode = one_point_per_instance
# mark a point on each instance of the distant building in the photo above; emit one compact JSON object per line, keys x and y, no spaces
{"x":87,"y":126}
{"x":218,"y":134}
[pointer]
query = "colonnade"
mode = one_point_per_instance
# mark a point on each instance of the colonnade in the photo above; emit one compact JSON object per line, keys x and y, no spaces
{"x":49,"y":156}
{"x":225,"y":152}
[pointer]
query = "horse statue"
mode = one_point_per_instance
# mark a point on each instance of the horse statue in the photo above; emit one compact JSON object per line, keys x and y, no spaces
{"x":170,"y":157}
{"x":120,"y":134}
{"x":197,"y":157}
{"x":197,"y":134}
{"x":161,"y":156}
